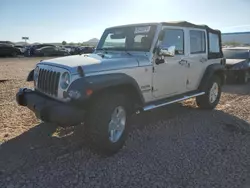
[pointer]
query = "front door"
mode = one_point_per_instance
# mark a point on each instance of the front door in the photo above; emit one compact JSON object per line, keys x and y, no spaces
{"x":197,"y":57}
{"x":169,"y":78}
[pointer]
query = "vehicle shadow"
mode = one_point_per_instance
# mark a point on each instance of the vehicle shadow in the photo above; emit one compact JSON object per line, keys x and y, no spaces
{"x":45,"y":143}
{"x":239,"y":89}
{"x":42,"y":143}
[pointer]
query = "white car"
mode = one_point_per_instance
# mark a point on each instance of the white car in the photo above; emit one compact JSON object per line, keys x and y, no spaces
{"x":134,"y":68}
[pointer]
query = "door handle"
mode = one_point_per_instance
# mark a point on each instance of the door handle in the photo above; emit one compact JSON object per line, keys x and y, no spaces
{"x":203,"y":60}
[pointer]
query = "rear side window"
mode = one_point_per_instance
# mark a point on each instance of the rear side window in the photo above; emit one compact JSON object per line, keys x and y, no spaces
{"x":197,"y":42}
{"x":214,"y":44}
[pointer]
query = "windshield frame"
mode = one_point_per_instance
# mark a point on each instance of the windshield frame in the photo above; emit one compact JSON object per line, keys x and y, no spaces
{"x":152,"y":33}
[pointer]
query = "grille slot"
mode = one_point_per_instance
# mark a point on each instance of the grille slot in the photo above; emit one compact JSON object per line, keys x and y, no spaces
{"x":48,"y":81}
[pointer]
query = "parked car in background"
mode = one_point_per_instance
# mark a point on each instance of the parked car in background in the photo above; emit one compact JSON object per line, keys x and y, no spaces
{"x":21,"y":48}
{"x":6,"y":42}
{"x":69,"y":48}
{"x":8,"y":50}
{"x":86,"y":50}
{"x":81,"y":50}
{"x":51,"y":51}
{"x":237,"y":64}
{"x":75,"y":50}
{"x":31,"y":49}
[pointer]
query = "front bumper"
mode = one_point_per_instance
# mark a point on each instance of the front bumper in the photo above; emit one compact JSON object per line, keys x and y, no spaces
{"x":50,"y":110}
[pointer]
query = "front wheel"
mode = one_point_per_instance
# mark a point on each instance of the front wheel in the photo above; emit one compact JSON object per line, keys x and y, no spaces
{"x":212,"y":94}
{"x":107,"y":123}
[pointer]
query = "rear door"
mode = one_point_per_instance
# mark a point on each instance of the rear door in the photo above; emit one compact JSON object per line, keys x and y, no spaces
{"x":197,"y":57}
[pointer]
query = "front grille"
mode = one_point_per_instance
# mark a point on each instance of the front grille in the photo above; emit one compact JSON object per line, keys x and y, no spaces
{"x":48,"y":81}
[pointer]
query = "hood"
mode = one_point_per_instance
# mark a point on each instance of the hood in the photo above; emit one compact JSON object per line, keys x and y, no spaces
{"x":94,"y":62}
{"x":234,"y":61}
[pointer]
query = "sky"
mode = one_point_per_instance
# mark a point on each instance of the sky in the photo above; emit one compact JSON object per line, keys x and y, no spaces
{"x":81,"y":20}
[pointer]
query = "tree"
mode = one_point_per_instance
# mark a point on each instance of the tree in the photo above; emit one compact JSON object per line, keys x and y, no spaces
{"x":64,"y":42}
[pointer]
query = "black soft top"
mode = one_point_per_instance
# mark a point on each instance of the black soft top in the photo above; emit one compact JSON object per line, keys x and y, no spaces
{"x":189,"y":24}
{"x":211,"y":55}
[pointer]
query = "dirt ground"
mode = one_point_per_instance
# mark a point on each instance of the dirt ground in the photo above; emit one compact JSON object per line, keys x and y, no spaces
{"x":14,"y":120}
{"x":24,"y":139}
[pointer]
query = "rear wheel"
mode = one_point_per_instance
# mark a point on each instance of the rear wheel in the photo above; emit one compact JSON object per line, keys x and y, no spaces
{"x":212,"y":94}
{"x":107,"y":123}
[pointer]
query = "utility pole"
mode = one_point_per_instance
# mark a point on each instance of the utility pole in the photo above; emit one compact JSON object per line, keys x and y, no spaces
{"x":25,"y":39}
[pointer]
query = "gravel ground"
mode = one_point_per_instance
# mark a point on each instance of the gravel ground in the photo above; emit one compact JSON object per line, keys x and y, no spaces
{"x":175,"y":146}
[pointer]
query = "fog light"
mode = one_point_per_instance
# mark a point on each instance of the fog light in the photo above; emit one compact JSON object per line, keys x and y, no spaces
{"x":73,"y":94}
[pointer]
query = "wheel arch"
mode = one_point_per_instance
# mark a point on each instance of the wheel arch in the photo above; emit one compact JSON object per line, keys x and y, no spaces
{"x":214,"y":69}
{"x":114,"y":82}
{"x":126,"y":89}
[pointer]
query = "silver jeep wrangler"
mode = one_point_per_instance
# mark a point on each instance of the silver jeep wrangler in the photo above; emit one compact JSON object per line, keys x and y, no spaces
{"x":134,"y":68}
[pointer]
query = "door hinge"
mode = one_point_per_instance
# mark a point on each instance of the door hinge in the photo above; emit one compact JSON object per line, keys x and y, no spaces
{"x":152,"y":88}
{"x":153,"y":69}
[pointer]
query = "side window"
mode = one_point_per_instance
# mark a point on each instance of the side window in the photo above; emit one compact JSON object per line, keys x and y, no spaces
{"x":48,"y":49}
{"x":197,"y":42}
{"x":214,"y":46}
{"x":174,"y":37}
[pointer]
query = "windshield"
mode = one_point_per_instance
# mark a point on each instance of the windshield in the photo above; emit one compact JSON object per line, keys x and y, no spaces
{"x":132,"y":38}
{"x":236,"y":54}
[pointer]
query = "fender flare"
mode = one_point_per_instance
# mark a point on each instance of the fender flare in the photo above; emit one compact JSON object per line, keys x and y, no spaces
{"x":97,"y":83}
{"x":210,"y":71}
{"x":30,"y":76}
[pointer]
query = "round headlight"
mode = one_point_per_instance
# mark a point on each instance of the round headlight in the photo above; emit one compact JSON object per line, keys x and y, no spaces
{"x":65,"y":80}
{"x":36,"y":73}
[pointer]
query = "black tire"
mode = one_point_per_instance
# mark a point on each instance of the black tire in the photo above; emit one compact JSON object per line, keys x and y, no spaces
{"x":242,"y":77}
{"x":97,"y":123}
{"x":203,"y":101}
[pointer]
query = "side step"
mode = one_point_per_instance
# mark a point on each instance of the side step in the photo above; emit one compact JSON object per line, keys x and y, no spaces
{"x":169,"y":101}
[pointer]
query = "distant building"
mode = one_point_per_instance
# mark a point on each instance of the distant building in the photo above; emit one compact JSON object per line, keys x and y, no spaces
{"x":239,"y":37}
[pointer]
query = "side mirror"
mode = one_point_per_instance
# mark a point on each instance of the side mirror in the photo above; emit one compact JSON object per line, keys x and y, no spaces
{"x":168,"y":52}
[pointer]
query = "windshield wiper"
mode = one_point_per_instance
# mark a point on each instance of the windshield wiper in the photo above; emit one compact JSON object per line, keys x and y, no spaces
{"x":105,"y":50}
